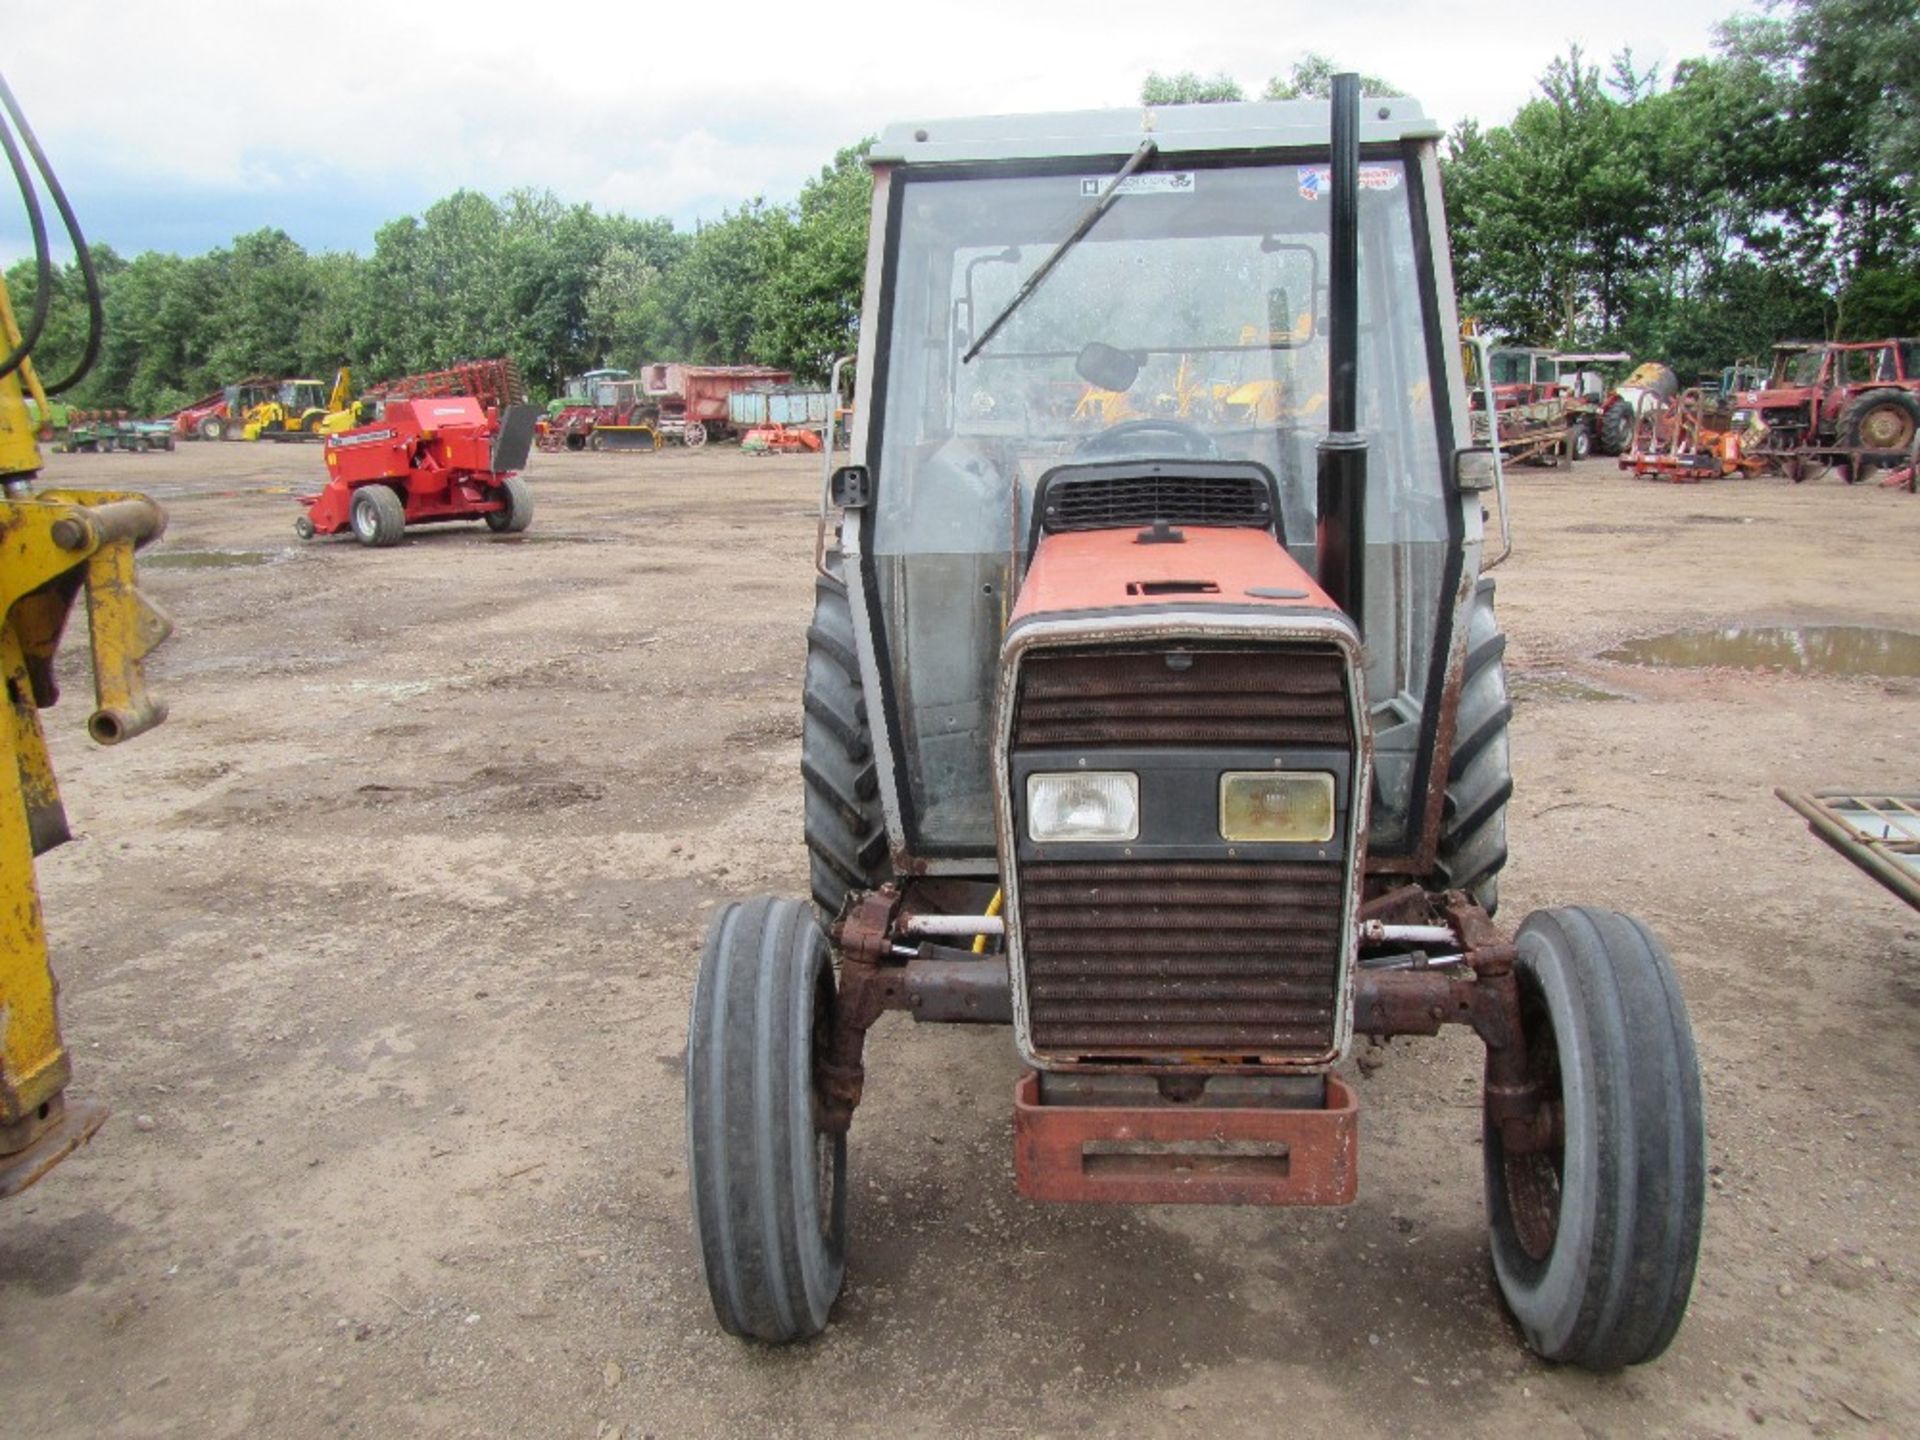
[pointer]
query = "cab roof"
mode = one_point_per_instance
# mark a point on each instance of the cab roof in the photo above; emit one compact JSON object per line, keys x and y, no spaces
{"x":1178,"y":129}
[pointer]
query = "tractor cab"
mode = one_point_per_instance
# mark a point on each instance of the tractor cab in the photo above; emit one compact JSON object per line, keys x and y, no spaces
{"x":1155,"y":707}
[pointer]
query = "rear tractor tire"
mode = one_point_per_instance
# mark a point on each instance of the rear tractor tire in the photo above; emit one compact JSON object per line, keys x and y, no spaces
{"x":1595,"y":1238}
{"x":1473,"y":817}
{"x":769,"y":1185}
{"x":518,"y":514}
{"x":378,"y":516}
{"x":1882,"y":422}
{"x":1616,"y":429}
{"x":845,"y":829}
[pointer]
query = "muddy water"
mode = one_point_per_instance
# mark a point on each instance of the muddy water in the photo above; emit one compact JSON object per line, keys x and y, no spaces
{"x":1806,"y":649}
{"x":204,"y":559}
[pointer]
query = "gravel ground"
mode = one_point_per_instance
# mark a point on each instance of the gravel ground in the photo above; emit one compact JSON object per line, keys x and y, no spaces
{"x":381,"y":948}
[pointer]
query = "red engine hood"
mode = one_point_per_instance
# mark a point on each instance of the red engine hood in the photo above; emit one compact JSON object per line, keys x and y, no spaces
{"x":1106,"y":570}
{"x":1773,"y":399}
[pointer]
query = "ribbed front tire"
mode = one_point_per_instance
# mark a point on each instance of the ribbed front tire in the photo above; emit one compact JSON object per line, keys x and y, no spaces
{"x":1595,"y":1239}
{"x":769,"y":1186}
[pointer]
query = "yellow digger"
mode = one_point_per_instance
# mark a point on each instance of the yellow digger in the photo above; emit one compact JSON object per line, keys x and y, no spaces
{"x":302,"y":410}
{"x":54,"y":544}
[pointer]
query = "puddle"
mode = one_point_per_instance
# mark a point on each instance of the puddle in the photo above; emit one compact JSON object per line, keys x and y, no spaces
{"x":204,"y":559}
{"x":1804,"y":649}
{"x":550,"y":540}
{"x":1591,"y":528}
{"x":1558,"y":685}
{"x":1716,"y":519}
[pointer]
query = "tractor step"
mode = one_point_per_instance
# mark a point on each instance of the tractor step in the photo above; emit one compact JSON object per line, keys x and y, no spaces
{"x":1186,"y":1154}
{"x":69,"y":1125}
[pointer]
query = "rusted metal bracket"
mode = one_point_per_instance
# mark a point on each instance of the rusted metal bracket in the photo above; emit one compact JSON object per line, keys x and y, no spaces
{"x":1486,"y":999}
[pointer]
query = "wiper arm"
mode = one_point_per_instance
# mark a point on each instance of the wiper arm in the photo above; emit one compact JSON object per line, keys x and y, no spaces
{"x":1099,"y":207}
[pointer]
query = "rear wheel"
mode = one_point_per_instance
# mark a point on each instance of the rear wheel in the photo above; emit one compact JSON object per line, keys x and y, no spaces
{"x":1595,"y":1238}
{"x":379,"y":519}
{"x":846,"y":832}
{"x":1882,"y":422}
{"x":1616,"y":428}
{"x":1473,"y":818}
{"x":518,"y":514}
{"x":769,"y":1185}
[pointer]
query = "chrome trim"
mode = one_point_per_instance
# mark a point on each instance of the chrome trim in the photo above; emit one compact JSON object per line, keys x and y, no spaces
{"x":1164,"y":627}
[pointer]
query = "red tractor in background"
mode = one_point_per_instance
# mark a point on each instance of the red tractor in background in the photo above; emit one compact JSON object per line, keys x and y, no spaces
{"x":425,"y":461}
{"x":1852,"y":406}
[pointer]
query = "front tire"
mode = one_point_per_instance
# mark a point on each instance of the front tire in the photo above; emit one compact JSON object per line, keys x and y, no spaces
{"x":518,"y":514}
{"x":1580,"y":441}
{"x":769,"y":1186}
{"x":845,"y":830}
{"x":1473,"y":817}
{"x":695,"y":434}
{"x":378,"y":516}
{"x":1595,"y":1239}
{"x":1616,"y":428}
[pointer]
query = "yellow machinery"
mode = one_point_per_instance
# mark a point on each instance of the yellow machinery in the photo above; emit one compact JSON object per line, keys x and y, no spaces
{"x":53,"y":546}
{"x":301,"y":409}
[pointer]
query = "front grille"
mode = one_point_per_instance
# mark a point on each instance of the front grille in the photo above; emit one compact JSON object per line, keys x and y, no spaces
{"x":1212,"y":957}
{"x":1254,"y":698}
{"x":1112,"y":502}
{"x":1226,"y":959}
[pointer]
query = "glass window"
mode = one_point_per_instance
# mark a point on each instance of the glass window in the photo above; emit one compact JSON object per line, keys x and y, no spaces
{"x":1214,"y":281}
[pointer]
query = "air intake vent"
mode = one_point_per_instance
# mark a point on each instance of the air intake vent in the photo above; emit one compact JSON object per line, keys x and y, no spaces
{"x":1132,"y":497}
{"x":1223,"y":697}
{"x":1140,"y":959}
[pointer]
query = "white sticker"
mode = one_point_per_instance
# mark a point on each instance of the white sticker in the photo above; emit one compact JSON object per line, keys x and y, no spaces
{"x":1316,"y":178}
{"x":1158,"y":182}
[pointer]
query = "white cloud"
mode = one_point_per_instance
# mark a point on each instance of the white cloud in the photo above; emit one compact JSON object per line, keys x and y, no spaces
{"x":686,"y":110}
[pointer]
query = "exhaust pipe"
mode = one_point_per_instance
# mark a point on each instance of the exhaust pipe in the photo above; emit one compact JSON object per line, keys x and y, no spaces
{"x":1341,"y":536}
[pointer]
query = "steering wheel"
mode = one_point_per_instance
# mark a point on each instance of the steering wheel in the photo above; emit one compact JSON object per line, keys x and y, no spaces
{"x":1151,"y":437}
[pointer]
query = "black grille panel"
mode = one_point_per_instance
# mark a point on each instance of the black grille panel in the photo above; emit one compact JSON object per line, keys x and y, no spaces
{"x":1112,"y":502}
{"x":1244,"y":698}
{"x":1228,"y":959}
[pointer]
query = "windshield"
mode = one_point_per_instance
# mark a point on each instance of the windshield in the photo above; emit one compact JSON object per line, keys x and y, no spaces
{"x":1796,"y":367}
{"x":1212,"y":282}
{"x":1511,"y":367}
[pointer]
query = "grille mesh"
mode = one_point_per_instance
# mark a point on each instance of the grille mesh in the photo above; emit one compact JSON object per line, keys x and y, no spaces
{"x":1144,"y":958}
{"x":1251,"y":698}
{"x":1115,"y":502}
{"x":1224,"y":959}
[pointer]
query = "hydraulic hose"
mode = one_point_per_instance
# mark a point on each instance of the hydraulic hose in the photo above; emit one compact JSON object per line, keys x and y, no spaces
{"x":43,"y":262}
{"x":96,"y":310}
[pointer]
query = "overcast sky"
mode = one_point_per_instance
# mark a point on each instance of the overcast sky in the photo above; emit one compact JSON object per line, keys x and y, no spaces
{"x":177,"y":125}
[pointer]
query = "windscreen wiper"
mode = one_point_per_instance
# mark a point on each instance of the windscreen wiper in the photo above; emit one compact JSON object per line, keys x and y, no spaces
{"x":1079,"y":232}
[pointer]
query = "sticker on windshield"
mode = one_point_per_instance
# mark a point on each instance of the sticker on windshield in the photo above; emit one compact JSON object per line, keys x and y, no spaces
{"x":1314,"y":179}
{"x":1159,"y":182}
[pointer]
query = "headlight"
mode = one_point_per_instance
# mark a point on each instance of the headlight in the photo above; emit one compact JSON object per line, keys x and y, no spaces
{"x":1271,"y":806}
{"x":1083,"y":805}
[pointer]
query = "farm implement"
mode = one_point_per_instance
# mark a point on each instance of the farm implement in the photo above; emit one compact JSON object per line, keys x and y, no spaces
{"x":425,"y":461}
{"x":1688,"y":439}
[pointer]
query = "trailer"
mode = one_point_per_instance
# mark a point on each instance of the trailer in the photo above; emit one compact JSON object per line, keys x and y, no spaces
{"x":693,"y":399}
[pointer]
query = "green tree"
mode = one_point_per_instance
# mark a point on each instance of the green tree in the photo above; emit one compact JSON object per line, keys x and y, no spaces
{"x":810,"y":308}
{"x":1311,"y":78}
{"x":1189,"y":88}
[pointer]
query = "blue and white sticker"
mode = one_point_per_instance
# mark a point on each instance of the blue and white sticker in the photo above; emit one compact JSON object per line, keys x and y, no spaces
{"x":1314,"y":179}
{"x":1158,"y":182}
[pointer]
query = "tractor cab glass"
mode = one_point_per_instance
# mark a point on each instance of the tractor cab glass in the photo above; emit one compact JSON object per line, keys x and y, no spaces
{"x":1189,"y":323}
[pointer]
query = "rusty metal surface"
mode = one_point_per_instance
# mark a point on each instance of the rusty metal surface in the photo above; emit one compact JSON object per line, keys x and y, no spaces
{"x":1186,"y":959}
{"x":1259,"y":698}
{"x":959,"y":992}
{"x":67,"y":1126}
{"x":1877,"y":830}
{"x":1186,"y":1154}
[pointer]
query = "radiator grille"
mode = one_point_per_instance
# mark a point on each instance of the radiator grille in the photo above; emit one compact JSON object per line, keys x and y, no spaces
{"x":1106,"y":502}
{"x":1246,"y":698}
{"x":1137,"y":959}
{"x":1212,"y":958}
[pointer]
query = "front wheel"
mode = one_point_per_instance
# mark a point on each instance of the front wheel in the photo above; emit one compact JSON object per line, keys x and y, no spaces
{"x":1595,"y":1237}
{"x":517,"y":514}
{"x":213,"y":427}
{"x":769,"y":1185}
{"x":1580,"y":441}
{"x":695,"y":434}
{"x":303,"y":527}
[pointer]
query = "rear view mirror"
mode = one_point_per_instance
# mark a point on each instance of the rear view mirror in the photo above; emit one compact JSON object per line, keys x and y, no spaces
{"x":1106,"y":367}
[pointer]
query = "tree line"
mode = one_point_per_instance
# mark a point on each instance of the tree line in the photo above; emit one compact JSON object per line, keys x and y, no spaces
{"x":1768,"y":190}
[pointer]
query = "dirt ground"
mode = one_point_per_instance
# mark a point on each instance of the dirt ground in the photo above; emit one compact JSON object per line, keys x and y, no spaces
{"x":380,"y":949}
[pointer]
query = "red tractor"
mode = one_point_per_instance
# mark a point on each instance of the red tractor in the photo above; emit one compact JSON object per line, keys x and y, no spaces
{"x":422,"y":462}
{"x":1177,"y":743}
{"x":1852,"y":406}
